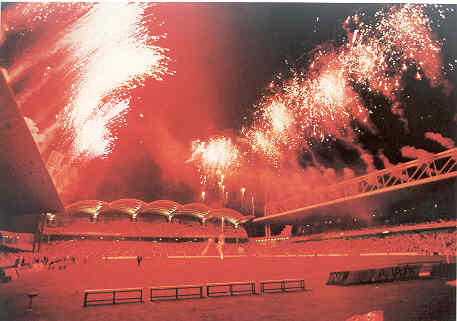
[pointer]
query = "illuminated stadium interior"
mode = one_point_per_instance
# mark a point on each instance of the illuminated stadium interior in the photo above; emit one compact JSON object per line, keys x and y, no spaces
{"x":169,"y":153}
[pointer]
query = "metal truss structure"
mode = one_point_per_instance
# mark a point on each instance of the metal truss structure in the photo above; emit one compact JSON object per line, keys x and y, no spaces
{"x":420,"y":171}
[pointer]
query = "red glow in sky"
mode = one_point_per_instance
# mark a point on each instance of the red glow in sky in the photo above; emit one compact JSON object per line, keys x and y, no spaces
{"x":117,"y":93}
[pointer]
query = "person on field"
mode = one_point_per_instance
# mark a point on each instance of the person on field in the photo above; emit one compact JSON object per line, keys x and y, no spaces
{"x":220,"y":245}
{"x":210,"y":241}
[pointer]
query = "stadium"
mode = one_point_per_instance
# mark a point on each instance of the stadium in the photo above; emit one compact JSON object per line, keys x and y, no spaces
{"x":227,"y":162}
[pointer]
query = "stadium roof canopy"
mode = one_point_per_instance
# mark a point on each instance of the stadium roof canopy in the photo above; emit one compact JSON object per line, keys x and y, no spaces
{"x":90,"y":207}
{"x":166,"y":208}
{"x":197,"y":210}
{"x":161,"y":207}
{"x":126,"y":205}
{"x":228,"y":214}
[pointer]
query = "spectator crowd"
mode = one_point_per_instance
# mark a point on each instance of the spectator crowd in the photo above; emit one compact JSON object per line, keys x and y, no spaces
{"x":60,"y":254}
{"x":420,"y":243}
{"x":157,"y":228}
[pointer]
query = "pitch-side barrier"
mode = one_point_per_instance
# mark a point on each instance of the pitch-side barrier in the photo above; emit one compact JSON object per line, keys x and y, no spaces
{"x":112,"y":296}
{"x":194,"y":291}
{"x":230,"y":289}
{"x":175,"y":292}
{"x":289,"y":285}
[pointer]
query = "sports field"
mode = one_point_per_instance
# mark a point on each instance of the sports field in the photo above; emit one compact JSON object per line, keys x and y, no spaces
{"x":60,"y":293}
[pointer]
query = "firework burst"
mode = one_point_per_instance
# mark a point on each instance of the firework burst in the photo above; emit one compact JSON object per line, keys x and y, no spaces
{"x":100,"y":57}
{"x":86,"y":61}
{"x":116,"y":58}
{"x":272,"y":131}
{"x":216,"y":158}
{"x":322,"y":100}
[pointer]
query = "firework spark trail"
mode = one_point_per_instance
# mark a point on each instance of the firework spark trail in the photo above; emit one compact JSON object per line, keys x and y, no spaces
{"x":97,"y":53}
{"x":101,"y":58}
{"x":25,"y":18}
{"x":94,"y":134}
{"x":117,"y":55}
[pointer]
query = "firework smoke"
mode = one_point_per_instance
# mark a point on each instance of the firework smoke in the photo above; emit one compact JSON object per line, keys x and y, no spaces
{"x":412,"y":152}
{"x":104,"y":51}
{"x":443,"y":141}
{"x":87,"y":70}
{"x":322,"y":102}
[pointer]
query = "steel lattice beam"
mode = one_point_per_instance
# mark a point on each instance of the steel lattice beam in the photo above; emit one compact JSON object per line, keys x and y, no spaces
{"x":420,"y":171}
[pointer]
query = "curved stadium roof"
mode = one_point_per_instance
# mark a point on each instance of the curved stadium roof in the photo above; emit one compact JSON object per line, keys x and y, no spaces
{"x":198,"y":210}
{"x":126,"y":205}
{"x":89,"y":207}
{"x":232,"y":216}
{"x":161,"y":207}
{"x":166,"y":208}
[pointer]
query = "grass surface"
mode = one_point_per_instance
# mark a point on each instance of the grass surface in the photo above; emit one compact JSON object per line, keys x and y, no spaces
{"x":61,"y":292}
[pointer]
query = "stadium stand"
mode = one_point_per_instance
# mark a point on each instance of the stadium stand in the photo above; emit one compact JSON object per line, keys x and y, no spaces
{"x":413,"y":242}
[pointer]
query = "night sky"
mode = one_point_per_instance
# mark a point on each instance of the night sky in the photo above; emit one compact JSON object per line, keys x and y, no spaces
{"x":223,"y":57}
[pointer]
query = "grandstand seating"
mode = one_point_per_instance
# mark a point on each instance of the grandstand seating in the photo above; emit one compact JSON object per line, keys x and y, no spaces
{"x":83,"y":249}
{"x":158,"y":228}
{"x":423,"y":243}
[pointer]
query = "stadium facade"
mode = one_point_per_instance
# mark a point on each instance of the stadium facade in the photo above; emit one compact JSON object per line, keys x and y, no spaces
{"x":26,"y":188}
